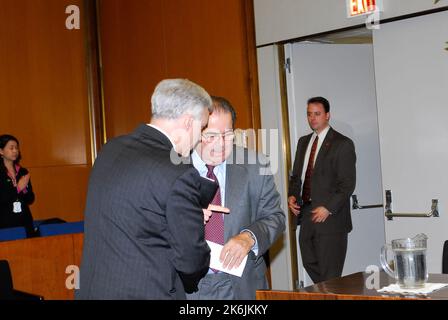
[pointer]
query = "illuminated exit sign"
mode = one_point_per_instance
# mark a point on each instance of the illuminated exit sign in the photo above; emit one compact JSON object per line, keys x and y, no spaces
{"x":361,"y":7}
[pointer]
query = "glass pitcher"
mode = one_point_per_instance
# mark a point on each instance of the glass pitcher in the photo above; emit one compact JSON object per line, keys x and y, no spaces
{"x":409,"y":262}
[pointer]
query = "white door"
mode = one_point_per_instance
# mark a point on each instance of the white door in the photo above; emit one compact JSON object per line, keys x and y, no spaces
{"x":411,"y":68}
{"x":271,"y":119}
{"x":344,"y":74}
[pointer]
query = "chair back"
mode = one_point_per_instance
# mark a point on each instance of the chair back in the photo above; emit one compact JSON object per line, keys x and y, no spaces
{"x":8,"y":234}
{"x":61,"y":228}
{"x":6,"y":285}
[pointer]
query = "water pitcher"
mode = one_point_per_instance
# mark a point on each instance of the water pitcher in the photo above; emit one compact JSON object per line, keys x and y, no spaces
{"x":409,"y":263}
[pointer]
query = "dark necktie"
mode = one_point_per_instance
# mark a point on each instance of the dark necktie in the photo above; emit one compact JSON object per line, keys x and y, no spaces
{"x":214,"y":228}
{"x":306,"y":190}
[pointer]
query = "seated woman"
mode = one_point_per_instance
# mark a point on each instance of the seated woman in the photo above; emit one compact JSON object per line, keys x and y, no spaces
{"x":16,"y":192}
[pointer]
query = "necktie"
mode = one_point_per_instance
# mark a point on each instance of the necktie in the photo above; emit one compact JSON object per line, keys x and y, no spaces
{"x":214,"y":229}
{"x":306,"y":191}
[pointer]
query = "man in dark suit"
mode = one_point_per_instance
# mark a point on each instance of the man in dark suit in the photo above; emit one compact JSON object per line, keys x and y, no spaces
{"x":322,"y":181}
{"x":144,"y":226}
{"x":248,"y":190}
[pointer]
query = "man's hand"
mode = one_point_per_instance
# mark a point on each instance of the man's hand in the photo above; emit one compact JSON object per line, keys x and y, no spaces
{"x":207,"y":215}
{"x":319,"y":214}
{"x":292,"y":204}
{"x":236,"y":249}
{"x":209,"y":211}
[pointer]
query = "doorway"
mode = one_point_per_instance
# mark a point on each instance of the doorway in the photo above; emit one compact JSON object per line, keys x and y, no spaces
{"x":340,"y":67}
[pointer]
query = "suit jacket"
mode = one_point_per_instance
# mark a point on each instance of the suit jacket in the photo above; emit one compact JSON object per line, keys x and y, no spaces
{"x":333,"y":179}
{"x":8,"y":195}
{"x":144,"y":229}
{"x":254,"y":204}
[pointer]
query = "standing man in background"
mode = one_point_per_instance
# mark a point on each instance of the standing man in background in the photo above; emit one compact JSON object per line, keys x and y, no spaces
{"x":144,"y":226}
{"x":247,"y":189}
{"x":322,"y":181}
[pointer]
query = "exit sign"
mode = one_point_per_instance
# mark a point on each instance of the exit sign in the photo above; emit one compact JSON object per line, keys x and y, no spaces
{"x":361,"y":7}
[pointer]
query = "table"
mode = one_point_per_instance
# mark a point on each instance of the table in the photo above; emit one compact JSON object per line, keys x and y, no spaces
{"x":351,"y":287}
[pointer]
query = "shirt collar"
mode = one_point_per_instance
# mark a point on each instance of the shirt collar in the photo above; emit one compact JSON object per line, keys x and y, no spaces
{"x":201,"y":166}
{"x":322,"y":134}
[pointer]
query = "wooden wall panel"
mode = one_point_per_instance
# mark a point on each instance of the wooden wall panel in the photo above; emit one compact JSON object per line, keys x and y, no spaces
{"x":206,"y":42}
{"x":132,"y":50}
{"x":43,"y":98}
{"x":38,"y":265}
{"x":43,"y":89}
{"x":145,"y":41}
{"x":55,"y":187}
{"x":78,"y":241}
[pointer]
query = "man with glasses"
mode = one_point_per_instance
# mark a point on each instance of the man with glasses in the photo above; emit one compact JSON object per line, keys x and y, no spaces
{"x":247,"y":189}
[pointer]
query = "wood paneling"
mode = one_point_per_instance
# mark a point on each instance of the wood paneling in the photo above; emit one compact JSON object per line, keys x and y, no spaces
{"x":42,"y":82}
{"x":146,"y":41}
{"x":132,"y":50}
{"x":78,"y":241}
{"x":43,"y":99}
{"x":206,"y":42}
{"x":38,"y":265}
{"x":60,"y":192}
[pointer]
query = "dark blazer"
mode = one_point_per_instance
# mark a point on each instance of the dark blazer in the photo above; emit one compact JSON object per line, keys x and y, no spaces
{"x":144,"y":229}
{"x":8,"y":195}
{"x":254,"y":203}
{"x":333,"y":179}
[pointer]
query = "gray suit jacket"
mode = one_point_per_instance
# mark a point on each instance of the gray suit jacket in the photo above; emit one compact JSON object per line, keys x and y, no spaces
{"x":333,"y":179}
{"x":144,"y":229}
{"x":254,"y":204}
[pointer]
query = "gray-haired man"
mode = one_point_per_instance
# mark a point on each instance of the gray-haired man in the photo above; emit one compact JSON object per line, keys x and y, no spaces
{"x":144,"y":226}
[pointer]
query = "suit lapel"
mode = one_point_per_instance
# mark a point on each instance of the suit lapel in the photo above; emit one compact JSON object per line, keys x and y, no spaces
{"x":235,"y":175}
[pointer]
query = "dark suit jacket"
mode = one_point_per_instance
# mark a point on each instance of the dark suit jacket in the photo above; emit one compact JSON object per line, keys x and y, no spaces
{"x":254,"y":203}
{"x":333,"y":179}
{"x":8,"y":195}
{"x":144,"y":230}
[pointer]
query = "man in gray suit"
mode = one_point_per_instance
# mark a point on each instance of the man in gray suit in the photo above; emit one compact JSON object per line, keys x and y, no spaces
{"x":247,"y":189}
{"x":323,"y":179}
{"x":144,"y":226}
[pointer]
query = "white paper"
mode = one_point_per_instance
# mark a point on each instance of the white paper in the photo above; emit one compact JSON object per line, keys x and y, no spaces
{"x":215,"y":264}
{"x":428,"y":288}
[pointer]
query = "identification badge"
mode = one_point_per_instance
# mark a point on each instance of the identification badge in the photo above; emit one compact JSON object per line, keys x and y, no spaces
{"x":17,"y":207}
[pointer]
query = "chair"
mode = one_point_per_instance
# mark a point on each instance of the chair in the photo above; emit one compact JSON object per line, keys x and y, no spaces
{"x":38,"y":223}
{"x":9,"y":234}
{"x":445,"y":258}
{"x":7,"y":291}
{"x":61,"y":228}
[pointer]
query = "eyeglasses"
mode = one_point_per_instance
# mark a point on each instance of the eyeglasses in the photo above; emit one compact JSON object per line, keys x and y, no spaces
{"x":214,"y":136}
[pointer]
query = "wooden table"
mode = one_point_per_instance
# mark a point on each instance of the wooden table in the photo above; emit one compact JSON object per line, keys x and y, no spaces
{"x":351,"y":287}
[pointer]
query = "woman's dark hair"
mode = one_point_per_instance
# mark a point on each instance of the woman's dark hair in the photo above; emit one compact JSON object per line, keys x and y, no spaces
{"x":4,"y":139}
